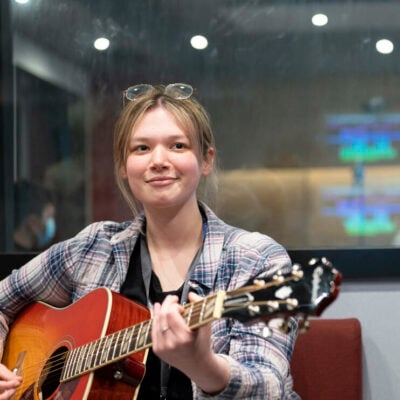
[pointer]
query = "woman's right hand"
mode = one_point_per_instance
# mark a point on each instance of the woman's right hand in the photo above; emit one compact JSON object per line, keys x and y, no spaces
{"x":8,"y":383}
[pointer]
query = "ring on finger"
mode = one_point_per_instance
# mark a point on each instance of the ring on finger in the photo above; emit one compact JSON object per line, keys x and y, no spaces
{"x":164,"y":329}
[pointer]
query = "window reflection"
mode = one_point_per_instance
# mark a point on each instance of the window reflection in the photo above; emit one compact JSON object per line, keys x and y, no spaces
{"x":51,"y":146}
{"x":303,"y":96}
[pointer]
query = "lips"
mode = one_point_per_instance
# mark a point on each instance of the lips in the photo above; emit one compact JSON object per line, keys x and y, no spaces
{"x":161,"y":180}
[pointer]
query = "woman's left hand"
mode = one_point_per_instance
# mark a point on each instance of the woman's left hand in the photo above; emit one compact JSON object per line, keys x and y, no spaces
{"x":173,"y":340}
{"x":189,"y":351}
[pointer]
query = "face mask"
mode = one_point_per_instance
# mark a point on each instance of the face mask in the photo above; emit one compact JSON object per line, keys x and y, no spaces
{"x":48,"y":234}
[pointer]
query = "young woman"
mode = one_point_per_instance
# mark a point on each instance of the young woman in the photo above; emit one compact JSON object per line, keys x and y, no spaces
{"x":175,"y":250}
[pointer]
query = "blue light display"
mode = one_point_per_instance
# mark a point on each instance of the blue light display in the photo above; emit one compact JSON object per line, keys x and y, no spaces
{"x":365,"y":209}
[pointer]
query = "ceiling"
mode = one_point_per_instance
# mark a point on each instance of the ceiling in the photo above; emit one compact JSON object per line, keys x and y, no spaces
{"x":273,"y":38}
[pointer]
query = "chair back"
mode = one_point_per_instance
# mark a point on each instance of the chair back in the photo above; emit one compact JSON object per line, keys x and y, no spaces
{"x":327,"y":360}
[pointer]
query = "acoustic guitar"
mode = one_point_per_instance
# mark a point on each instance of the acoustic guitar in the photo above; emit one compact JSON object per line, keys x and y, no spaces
{"x":96,"y":348}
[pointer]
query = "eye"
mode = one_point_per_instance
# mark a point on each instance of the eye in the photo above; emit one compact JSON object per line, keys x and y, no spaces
{"x":140,"y":148}
{"x":179,"y":146}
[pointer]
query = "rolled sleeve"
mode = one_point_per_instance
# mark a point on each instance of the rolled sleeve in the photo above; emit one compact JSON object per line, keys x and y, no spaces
{"x":259,"y":364}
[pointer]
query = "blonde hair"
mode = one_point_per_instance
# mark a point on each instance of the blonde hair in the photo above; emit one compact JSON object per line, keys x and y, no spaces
{"x":192,"y":117}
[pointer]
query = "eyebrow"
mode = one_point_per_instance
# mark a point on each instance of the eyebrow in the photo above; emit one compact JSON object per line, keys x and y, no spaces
{"x":179,"y":136}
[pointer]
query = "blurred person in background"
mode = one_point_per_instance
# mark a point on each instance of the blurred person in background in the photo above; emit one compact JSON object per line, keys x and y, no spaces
{"x":34,"y":211}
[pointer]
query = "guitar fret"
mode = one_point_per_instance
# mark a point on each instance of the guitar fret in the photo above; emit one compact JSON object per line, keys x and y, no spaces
{"x":140,"y":326}
{"x":89,"y":356}
{"x":97,"y":352}
{"x":131,"y":336}
{"x":84,"y":354}
{"x":136,"y":329}
{"x":116,"y":345}
{"x":105,"y":349}
{"x":196,"y":313}
{"x":110,"y":347}
{"x":64,"y":373}
{"x":69,"y":365}
{"x":79,"y":360}
{"x":74,"y":361}
{"x":210,"y":304}
{"x":189,"y":314}
{"x":142,"y":336}
{"x":93,"y":354}
{"x":125,"y":342}
{"x":148,"y":330}
{"x":203,"y":303}
{"x":86,"y":357}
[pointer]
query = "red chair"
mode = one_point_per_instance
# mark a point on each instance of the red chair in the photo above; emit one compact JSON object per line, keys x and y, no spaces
{"x":327,"y":360}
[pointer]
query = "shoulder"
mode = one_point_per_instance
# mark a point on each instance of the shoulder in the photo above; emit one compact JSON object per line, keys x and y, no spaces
{"x":241,"y":239}
{"x":255,"y":251}
{"x":98,"y":236}
{"x":106,"y":229}
{"x":246,"y":254}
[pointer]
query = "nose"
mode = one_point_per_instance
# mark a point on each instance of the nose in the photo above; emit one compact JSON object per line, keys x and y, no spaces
{"x":159,"y":158}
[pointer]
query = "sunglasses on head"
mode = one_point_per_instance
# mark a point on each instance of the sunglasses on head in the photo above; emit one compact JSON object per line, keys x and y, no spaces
{"x":179,"y":91}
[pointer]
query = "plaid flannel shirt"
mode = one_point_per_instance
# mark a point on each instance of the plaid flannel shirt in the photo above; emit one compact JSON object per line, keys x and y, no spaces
{"x":99,"y":256}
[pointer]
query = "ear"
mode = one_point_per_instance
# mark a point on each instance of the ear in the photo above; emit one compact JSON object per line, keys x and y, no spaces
{"x":208,"y":162}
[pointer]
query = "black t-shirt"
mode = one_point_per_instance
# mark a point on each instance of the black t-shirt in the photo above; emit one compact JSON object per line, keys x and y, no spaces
{"x":179,"y":385}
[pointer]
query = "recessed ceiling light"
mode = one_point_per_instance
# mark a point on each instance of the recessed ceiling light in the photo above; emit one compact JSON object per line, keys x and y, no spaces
{"x":319,"y":19}
{"x":384,"y":46}
{"x":199,"y":42}
{"x":101,"y":44}
{"x":21,"y":1}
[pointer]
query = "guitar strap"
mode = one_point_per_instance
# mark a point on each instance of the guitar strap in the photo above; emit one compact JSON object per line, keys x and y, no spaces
{"x":146,"y":273}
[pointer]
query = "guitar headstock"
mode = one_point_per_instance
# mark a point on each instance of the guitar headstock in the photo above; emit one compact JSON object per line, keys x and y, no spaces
{"x":306,"y":290}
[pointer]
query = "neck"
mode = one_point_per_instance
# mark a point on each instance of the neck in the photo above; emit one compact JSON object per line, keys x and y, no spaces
{"x":173,"y":239}
{"x":174,"y":228}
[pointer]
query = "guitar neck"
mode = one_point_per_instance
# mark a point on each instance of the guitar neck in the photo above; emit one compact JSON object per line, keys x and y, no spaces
{"x":118,"y":345}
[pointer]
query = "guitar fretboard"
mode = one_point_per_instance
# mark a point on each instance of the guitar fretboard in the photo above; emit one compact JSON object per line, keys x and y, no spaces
{"x":118,"y":345}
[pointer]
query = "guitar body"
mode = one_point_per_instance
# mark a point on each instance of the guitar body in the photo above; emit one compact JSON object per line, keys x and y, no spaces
{"x":45,"y":333}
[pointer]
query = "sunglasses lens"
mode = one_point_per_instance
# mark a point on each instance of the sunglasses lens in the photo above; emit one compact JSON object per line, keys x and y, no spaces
{"x":179,"y":91}
{"x":134,"y":91}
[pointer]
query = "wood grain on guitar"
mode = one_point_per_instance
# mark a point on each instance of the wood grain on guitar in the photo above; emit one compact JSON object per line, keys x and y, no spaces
{"x":96,"y":348}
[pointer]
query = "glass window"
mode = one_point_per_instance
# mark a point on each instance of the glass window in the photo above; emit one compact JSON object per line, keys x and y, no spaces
{"x":303,"y":96}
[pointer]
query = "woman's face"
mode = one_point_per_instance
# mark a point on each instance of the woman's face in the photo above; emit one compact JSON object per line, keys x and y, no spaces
{"x":163,"y":168}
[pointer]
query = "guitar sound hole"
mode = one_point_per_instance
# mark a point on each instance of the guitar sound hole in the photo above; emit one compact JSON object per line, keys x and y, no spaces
{"x":51,"y":373}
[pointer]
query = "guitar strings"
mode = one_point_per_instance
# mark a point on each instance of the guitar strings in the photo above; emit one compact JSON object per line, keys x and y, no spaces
{"x":52,"y":367}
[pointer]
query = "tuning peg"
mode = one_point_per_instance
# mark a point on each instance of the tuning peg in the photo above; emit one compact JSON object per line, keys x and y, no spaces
{"x":296,"y":267}
{"x":326,"y":262}
{"x":273,"y":305}
{"x":292,"y":304}
{"x":297,"y":271}
{"x":278,"y":278}
{"x":253,"y":310}
{"x":313,"y":261}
